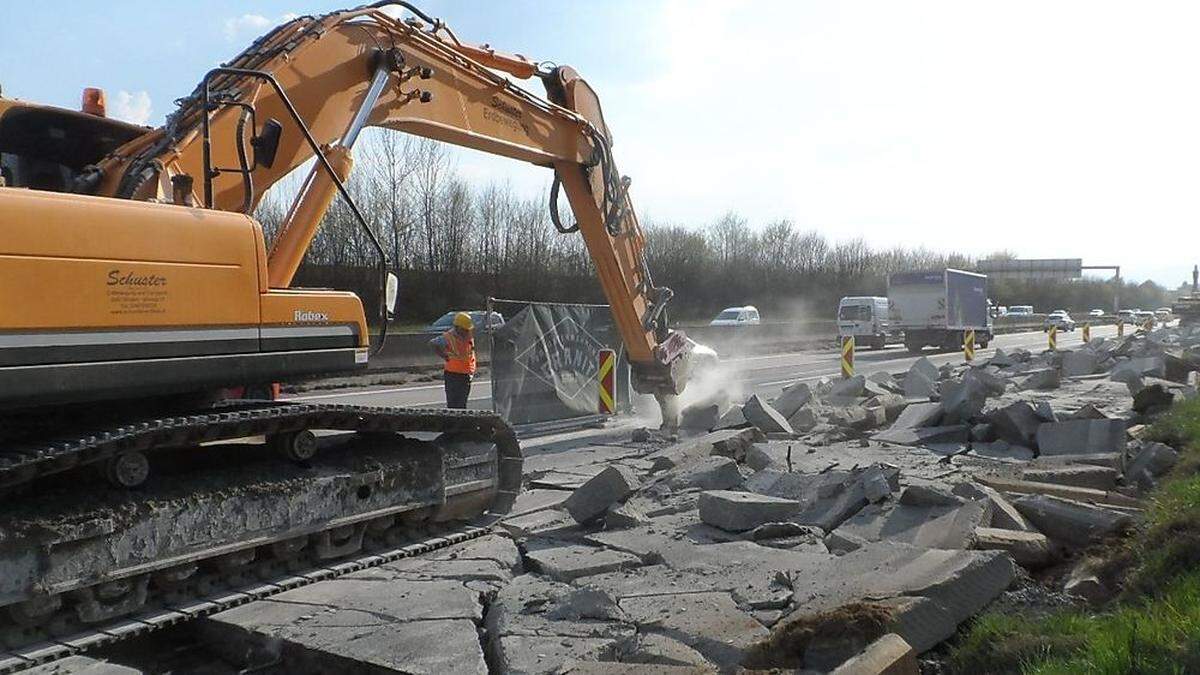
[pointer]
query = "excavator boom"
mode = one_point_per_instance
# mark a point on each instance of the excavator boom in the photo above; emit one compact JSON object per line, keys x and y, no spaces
{"x":326,"y":78}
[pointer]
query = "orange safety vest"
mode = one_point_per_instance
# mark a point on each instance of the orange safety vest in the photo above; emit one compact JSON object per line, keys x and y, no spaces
{"x":460,"y":353}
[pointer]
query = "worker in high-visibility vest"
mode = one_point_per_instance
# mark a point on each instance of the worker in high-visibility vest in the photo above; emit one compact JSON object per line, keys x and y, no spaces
{"x":457,"y":348}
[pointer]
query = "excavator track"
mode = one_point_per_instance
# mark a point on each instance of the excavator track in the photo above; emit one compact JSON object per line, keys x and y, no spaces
{"x":169,"y":612}
{"x":79,"y":570}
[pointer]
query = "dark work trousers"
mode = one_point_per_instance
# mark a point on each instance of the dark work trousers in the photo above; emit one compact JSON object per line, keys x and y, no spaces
{"x":458,"y":389}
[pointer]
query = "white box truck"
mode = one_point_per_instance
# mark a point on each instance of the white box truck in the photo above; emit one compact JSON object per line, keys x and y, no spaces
{"x":868,"y":319}
{"x":935,"y":309}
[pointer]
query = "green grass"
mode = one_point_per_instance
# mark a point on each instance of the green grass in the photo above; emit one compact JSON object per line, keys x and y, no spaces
{"x":1154,"y":627}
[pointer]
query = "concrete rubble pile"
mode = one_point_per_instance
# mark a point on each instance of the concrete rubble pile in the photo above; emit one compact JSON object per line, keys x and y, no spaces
{"x":913,"y":497}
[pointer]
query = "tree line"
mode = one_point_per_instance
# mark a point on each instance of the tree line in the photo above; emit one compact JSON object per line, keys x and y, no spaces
{"x":454,"y":243}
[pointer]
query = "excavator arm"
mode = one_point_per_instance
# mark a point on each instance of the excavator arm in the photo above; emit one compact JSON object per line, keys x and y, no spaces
{"x":311,"y":85}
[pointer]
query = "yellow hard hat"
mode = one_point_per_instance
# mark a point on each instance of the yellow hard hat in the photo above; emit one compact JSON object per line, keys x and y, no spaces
{"x":463,"y":320}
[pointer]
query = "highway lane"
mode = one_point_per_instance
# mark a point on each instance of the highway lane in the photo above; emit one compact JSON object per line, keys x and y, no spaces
{"x":764,"y":374}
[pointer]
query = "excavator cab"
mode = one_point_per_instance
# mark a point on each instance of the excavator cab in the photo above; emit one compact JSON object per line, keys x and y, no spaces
{"x":45,"y":148}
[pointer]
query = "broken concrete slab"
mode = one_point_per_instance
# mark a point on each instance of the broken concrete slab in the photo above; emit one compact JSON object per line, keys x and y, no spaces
{"x":875,"y":485}
{"x":1079,"y":363}
{"x":957,"y":433}
{"x":849,"y":388}
{"x":1016,"y":423}
{"x":1138,"y":367}
{"x":530,"y":655}
{"x":889,"y":655}
{"x":762,"y":415}
{"x":1031,"y":550}
{"x":928,"y":495}
{"x":886,"y":380}
{"x":711,"y":473}
{"x":962,"y":400}
{"x":1042,"y":378}
{"x":942,"y":527}
{"x":710,"y":623}
{"x":590,"y":500}
{"x":569,"y":562}
{"x":788,"y":535}
{"x":1088,"y":411}
{"x":1081,"y":436}
{"x":724,"y":442}
{"x":1088,"y":476}
{"x":758,"y":458}
{"x":622,"y":516}
{"x":1071,"y":522}
{"x":535,"y":625}
{"x":921,"y":379}
{"x":830,"y":500}
{"x":804,"y":419}
{"x":415,"y":626}
{"x":1000,"y":512}
{"x":740,"y":511}
{"x":1002,"y":451}
{"x":655,"y":649}
{"x":734,"y":418}
{"x":918,"y":415}
{"x":792,"y":398}
{"x":950,"y":585}
{"x":1089,"y":495}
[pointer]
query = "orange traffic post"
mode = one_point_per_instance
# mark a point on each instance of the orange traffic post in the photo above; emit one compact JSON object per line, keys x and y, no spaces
{"x":969,"y":346}
{"x":848,"y":356}
{"x":1087,"y":332}
{"x":607,"y":376}
{"x":1052,"y":336}
{"x":1120,"y":329}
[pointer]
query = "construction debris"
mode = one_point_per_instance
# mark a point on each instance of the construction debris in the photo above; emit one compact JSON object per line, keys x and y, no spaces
{"x":842,"y":525}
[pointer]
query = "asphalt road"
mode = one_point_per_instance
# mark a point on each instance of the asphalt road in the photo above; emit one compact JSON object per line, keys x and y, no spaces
{"x":765,"y":374}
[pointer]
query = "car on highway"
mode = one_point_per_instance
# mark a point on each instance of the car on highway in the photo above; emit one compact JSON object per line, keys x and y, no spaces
{"x":1141,"y":316}
{"x":1096,"y":312}
{"x":1059,"y":319}
{"x":737,"y":316}
{"x":1163,"y":314}
{"x":1127,"y":315}
{"x":1020,"y":310}
{"x":445,"y":321}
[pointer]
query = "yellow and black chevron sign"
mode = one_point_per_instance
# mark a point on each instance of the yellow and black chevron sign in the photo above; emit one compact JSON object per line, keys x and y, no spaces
{"x":848,"y":356}
{"x":969,"y":346}
{"x":607,"y":375}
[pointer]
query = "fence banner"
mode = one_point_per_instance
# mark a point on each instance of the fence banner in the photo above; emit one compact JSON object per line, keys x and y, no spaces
{"x":545,"y":363}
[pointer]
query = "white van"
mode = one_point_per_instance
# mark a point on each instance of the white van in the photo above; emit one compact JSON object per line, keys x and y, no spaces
{"x":736,"y":316}
{"x":1020,"y":310}
{"x":866,"y":317}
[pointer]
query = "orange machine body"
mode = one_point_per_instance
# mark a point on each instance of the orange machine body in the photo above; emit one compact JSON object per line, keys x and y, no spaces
{"x":114,"y":298}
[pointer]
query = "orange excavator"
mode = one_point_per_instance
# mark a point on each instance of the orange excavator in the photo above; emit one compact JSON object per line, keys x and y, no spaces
{"x":137,"y":287}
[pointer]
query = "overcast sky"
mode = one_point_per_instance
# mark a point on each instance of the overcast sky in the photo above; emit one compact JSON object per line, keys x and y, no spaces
{"x":1052,"y":129}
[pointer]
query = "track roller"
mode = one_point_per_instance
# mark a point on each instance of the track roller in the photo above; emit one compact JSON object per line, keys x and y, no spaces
{"x":127,"y":469}
{"x":298,"y":446}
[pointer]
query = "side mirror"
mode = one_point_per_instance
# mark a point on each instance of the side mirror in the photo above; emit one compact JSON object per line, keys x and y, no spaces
{"x":391,"y":293}
{"x":266,"y":143}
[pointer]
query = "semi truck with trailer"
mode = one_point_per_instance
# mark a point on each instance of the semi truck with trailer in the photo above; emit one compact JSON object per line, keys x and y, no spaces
{"x":937,"y":308}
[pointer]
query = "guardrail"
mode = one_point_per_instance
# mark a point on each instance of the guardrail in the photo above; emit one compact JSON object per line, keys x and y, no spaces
{"x":411,"y":350}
